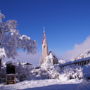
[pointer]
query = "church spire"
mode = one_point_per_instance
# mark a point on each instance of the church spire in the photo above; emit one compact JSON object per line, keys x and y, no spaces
{"x":44,"y":46}
{"x":1,"y":16}
{"x":44,"y":37}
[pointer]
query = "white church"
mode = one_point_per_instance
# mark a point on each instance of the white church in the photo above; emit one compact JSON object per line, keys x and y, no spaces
{"x":47,"y":56}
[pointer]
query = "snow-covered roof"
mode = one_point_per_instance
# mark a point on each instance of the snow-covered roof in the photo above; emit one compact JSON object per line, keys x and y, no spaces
{"x":24,"y":36}
{"x":27,"y":64}
{"x":75,"y":61}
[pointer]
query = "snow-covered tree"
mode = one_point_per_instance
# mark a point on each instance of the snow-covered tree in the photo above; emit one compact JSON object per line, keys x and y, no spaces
{"x":11,"y":40}
{"x":74,"y":72}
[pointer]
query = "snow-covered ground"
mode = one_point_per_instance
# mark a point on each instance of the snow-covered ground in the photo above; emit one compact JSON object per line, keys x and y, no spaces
{"x":48,"y":84}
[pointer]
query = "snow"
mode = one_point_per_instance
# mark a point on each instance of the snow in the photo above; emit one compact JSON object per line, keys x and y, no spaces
{"x":24,"y":37}
{"x":61,"y":61}
{"x":49,"y":84}
{"x":48,"y":62}
{"x":2,"y":53}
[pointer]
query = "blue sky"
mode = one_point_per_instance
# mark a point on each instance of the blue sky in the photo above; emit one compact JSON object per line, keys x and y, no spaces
{"x":67,"y":22}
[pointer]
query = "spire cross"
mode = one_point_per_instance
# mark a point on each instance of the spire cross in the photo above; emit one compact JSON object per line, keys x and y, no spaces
{"x":43,"y":29}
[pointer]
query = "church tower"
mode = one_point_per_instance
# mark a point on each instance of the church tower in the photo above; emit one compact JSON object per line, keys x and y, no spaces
{"x":44,"y":48}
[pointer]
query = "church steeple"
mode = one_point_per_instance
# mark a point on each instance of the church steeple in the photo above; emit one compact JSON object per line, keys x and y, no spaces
{"x":44,"y":46}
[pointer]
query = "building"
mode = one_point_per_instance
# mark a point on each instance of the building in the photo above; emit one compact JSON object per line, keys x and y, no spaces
{"x":10,"y":73}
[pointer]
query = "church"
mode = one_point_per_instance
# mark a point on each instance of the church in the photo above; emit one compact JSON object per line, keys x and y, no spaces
{"x":46,"y":53}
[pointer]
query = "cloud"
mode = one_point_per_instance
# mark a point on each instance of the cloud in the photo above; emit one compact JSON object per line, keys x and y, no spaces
{"x":78,"y":49}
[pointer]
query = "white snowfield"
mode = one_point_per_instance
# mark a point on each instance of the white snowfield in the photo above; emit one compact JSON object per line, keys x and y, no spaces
{"x":49,"y":84}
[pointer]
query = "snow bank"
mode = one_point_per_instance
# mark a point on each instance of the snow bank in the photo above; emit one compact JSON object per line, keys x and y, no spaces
{"x":52,"y":84}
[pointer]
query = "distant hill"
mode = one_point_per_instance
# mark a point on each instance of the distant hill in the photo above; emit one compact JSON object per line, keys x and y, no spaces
{"x":83,"y":55}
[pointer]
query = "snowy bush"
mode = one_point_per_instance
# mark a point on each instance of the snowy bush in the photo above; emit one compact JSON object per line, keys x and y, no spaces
{"x":39,"y":74}
{"x":74,"y":72}
{"x":53,"y":72}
